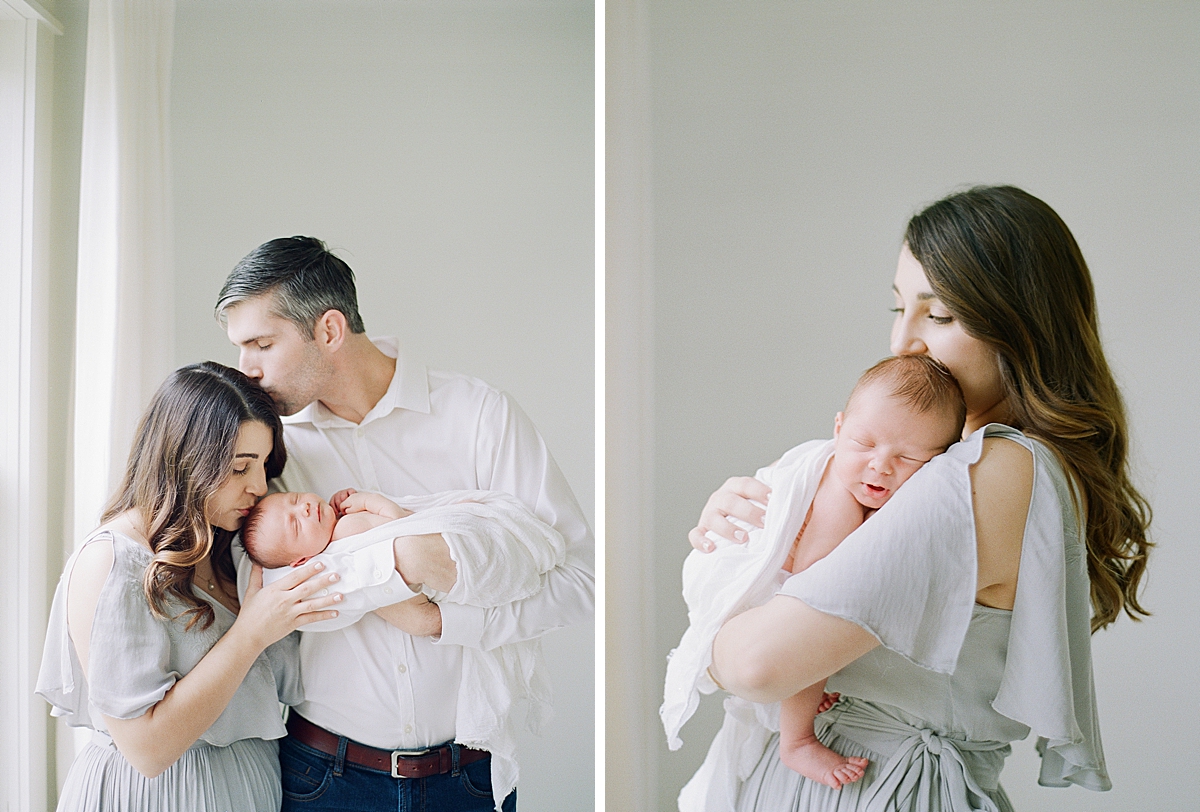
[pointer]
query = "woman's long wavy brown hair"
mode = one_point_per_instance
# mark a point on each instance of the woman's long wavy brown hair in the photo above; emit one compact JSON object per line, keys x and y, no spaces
{"x":182,"y":453}
{"x":1006,"y":266}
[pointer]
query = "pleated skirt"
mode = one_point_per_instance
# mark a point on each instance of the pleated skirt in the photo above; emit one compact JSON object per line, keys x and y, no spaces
{"x":242,"y":776}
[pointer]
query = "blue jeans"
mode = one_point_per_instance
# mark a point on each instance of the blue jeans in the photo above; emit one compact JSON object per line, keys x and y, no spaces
{"x":313,"y":780}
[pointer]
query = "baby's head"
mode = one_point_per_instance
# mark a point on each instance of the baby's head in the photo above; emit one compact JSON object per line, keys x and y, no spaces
{"x":903,"y":412}
{"x":287,"y":529}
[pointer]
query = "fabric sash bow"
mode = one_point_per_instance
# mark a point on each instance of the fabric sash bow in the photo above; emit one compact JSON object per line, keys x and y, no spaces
{"x":926,"y":772}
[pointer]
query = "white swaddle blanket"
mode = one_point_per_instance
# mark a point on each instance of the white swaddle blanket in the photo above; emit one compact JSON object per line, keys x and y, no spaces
{"x":501,"y":551}
{"x":735,"y":577}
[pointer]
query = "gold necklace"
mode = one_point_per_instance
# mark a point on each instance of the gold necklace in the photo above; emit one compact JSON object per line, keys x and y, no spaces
{"x":212,"y":586}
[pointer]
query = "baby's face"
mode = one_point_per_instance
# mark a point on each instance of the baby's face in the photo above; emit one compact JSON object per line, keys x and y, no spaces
{"x":881,"y":442}
{"x":299,"y":523}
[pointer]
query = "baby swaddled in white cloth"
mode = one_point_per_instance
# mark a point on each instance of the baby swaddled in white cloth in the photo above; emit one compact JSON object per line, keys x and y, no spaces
{"x":500,"y":550}
{"x":903,"y":412}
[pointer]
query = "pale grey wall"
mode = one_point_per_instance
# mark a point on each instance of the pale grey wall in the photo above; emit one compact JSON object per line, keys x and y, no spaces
{"x":445,"y":150}
{"x":791,"y":142}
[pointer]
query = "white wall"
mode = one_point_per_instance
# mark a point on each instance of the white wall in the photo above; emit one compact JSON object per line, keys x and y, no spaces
{"x":445,"y":150}
{"x":792,"y":141}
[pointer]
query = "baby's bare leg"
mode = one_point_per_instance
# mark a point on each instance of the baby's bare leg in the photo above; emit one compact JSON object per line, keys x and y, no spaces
{"x":799,"y":748}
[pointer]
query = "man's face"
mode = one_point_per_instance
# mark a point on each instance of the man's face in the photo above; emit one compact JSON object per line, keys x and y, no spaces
{"x":273,"y":351}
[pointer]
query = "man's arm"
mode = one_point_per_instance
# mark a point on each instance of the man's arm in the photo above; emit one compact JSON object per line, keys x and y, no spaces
{"x":513,"y":458}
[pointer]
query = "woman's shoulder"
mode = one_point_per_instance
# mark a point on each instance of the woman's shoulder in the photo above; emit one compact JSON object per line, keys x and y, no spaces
{"x":108,"y":554}
{"x":1001,"y":453}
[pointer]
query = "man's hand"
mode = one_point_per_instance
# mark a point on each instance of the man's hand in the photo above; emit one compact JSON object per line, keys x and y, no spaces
{"x":417,"y":616}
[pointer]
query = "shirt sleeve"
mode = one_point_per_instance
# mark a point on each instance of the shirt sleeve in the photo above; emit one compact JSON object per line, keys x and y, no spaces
{"x":513,"y":458}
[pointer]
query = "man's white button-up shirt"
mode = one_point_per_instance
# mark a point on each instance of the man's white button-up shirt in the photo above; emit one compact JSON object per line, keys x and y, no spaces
{"x":432,"y":431}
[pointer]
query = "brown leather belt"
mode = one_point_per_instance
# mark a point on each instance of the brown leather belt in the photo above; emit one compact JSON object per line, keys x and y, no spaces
{"x":400,"y":763}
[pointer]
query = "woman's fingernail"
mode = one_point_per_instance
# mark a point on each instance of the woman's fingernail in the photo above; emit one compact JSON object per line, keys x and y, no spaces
{"x":333,"y":613}
{"x":708,"y":545}
{"x":319,"y":566}
{"x":337,"y":597}
{"x":333,"y":577}
{"x":740,"y":535}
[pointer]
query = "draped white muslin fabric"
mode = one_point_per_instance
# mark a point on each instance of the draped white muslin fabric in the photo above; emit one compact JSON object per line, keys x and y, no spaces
{"x":124,"y":298}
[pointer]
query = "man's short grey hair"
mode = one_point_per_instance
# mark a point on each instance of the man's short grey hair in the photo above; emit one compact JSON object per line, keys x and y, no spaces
{"x":304,"y":279}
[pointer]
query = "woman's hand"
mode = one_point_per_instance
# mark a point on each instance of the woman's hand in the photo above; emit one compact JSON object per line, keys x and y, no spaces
{"x":302,"y":596}
{"x":737,"y":498}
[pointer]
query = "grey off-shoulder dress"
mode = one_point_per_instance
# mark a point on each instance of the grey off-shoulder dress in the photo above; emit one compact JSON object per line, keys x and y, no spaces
{"x":135,"y":658}
{"x":935,"y":706}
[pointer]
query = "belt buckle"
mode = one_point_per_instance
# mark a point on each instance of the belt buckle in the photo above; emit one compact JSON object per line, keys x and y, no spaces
{"x":399,"y":754}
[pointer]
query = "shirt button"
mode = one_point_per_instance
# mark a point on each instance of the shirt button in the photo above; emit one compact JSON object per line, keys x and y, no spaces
{"x":403,"y":669}
{"x":408,"y":728}
{"x":358,"y":432}
{"x":387,"y":590}
{"x":377,"y":573}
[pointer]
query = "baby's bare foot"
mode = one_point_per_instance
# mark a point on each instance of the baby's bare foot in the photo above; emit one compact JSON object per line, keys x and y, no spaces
{"x":828,"y":701}
{"x":814,"y":760}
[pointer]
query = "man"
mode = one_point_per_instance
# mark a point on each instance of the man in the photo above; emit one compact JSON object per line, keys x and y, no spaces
{"x":382,"y":695}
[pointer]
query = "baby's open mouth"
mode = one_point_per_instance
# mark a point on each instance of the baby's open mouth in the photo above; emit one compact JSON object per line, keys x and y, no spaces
{"x":875,"y":490}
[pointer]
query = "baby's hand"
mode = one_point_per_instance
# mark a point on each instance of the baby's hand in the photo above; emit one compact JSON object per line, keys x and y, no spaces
{"x":338,"y":499}
{"x":373,"y":503}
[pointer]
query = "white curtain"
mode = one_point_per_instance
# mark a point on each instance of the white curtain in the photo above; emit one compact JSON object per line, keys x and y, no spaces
{"x":125,"y":303}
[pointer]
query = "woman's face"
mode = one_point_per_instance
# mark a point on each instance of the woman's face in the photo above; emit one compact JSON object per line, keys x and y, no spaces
{"x":247,"y":480}
{"x":924,"y":326}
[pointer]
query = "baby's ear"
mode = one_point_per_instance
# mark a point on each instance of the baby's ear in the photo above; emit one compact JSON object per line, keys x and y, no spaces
{"x":837,"y":425}
{"x":300,"y":562}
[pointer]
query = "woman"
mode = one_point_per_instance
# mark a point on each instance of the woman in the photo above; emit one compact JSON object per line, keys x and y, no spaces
{"x":147,"y":645}
{"x":941,"y":653}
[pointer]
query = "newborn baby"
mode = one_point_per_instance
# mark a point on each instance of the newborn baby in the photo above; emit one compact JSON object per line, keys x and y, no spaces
{"x":499,"y":549}
{"x":287,"y":529}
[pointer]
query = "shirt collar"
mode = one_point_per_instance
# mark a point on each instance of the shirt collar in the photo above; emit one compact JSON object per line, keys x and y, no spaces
{"x":409,"y":389}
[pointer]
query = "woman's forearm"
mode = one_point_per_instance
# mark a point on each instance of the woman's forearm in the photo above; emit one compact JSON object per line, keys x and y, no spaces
{"x":768,"y":653}
{"x":155,"y":740}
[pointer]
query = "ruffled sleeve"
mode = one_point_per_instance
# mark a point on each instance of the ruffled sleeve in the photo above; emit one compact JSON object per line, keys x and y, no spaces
{"x":130,"y":666}
{"x":130,"y":650}
{"x":1048,"y":682}
{"x":908,"y":576}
